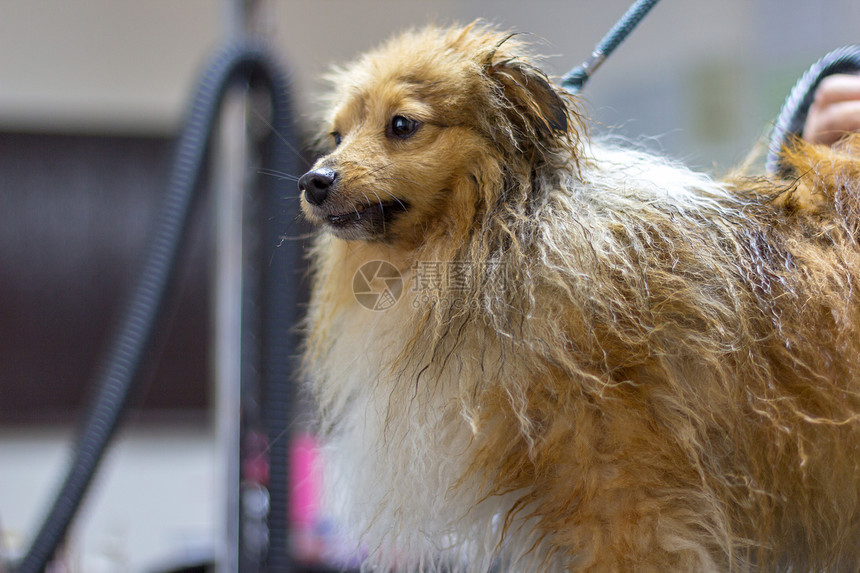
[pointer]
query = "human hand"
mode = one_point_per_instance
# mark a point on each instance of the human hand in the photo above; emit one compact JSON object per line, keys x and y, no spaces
{"x":835,"y":110}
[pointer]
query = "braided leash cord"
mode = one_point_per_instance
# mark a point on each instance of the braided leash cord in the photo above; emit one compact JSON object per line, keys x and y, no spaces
{"x":575,"y":79}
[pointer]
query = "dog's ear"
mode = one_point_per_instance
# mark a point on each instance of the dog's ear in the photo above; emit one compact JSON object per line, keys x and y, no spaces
{"x":536,"y":106}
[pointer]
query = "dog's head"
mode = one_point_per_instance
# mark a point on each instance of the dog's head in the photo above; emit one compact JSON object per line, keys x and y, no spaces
{"x":420,"y":131}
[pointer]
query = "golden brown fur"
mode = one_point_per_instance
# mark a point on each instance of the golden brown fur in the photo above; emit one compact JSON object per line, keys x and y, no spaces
{"x":648,"y":371}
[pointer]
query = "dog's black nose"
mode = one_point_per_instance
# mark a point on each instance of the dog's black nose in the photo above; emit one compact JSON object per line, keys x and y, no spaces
{"x":316,"y":184}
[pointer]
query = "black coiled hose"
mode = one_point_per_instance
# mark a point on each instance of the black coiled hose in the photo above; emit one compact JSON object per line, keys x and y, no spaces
{"x":792,"y":116}
{"x":125,"y":357}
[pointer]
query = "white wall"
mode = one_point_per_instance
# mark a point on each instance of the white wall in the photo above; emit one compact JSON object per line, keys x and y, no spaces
{"x":693,"y":66}
{"x":101,"y":65}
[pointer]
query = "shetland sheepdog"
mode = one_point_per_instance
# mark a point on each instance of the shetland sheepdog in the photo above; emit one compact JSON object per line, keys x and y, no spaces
{"x":533,"y":351}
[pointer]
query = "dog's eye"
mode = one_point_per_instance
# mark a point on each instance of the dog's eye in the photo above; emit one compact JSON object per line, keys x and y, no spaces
{"x":337,"y":137}
{"x":402,"y":127}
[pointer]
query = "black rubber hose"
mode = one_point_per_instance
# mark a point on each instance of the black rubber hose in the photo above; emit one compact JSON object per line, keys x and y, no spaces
{"x":792,"y":117}
{"x":282,"y":271}
{"x":124,"y":359}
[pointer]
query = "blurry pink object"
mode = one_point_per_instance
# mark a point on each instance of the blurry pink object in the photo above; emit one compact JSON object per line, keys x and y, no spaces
{"x":305,"y":518}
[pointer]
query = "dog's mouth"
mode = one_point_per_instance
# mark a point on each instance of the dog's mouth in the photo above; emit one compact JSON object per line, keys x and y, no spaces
{"x":373,"y":217}
{"x":365,"y":212}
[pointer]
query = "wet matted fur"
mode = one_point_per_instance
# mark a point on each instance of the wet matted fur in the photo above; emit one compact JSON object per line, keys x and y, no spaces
{"x":644,"y":369}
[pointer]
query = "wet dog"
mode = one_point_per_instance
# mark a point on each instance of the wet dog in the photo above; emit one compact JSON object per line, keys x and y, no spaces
{"x":579,"y":357}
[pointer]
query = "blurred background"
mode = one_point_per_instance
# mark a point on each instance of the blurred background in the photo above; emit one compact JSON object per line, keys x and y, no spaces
{"x":91,"y":94}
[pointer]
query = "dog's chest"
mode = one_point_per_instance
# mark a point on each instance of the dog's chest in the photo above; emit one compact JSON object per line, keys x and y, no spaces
{"x":398,"y":441}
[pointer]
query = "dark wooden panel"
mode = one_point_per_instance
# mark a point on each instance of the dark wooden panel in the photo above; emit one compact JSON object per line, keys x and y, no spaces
{"x":74,"y":216}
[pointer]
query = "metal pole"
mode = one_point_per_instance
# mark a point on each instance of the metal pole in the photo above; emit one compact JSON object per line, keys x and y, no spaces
{"x":230,"y":153}
{"x":227,"y":348}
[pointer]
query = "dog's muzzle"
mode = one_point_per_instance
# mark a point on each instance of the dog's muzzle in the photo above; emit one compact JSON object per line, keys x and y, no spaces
{"x":316,"y":184}
{"x":327,"y":202}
